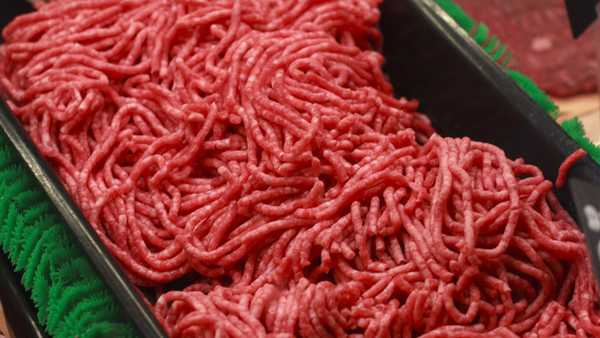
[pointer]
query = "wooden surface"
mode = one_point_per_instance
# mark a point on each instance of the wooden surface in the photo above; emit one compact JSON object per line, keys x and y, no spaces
{"x":587,"y":108}
{"x":3,"y":328}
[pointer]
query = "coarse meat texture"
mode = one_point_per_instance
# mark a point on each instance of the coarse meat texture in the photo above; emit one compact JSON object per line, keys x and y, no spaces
{"x":254,"y":148}
{"x":538,"y":35}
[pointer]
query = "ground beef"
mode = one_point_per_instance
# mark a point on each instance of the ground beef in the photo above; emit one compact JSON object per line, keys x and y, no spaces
{"x":539,"y":36}
{"x":254,"y":148}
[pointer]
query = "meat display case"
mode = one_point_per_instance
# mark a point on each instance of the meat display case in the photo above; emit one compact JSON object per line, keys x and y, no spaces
{"x":428,"y":57}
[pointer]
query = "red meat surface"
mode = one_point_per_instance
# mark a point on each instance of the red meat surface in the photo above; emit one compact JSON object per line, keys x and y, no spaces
{"x":254,"y":148}
{"x":538,"y":34}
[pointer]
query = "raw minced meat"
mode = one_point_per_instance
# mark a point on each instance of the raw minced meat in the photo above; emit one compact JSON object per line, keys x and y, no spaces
{"x":254,"y":147}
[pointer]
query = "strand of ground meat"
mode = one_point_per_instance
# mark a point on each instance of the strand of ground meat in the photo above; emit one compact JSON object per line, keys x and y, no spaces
{"x":570,"y":161}
{"x":255,"y":147}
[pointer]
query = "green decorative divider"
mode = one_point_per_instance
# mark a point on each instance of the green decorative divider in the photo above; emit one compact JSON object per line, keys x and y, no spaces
{"x":70,"y":297}
{"x":500,"y":53}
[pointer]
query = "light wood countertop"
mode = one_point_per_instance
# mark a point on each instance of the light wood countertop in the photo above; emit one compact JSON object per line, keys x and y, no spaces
{"x":587,"y":108}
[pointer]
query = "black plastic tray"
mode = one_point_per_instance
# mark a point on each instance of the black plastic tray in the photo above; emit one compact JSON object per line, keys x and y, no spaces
{"x":429,"y":58}
{"x":465,"y":93}
{"x":18,"y":310}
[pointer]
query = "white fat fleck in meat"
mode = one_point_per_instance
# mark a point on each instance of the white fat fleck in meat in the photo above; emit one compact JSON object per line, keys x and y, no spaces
{"x":541,"y":44}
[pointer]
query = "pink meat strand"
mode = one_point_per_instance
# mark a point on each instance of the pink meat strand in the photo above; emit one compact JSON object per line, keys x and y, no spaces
{"x":565,"y":167}
{"x":255,"y":147}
